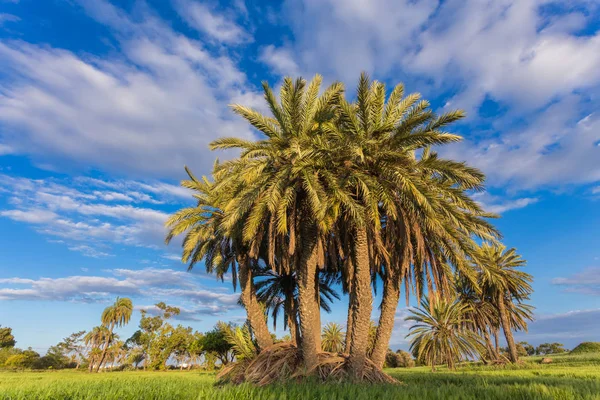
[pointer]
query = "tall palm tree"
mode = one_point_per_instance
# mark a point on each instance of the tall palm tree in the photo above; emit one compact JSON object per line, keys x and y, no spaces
{"x":439,"y":333}
{"x":279,"y":191}
{"x":115,"y":315}
{"x":420,"y":201}
{"x":333,"y":338}
{"x":206,"y":238}
{"x":505,"y":286}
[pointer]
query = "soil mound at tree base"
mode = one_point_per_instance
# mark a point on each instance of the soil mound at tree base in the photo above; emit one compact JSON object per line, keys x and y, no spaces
{"x":283,"y":362}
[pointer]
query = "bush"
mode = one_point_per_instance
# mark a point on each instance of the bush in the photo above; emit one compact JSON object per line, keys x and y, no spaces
{"x":587,"y":347}
{"x":399,"y":359}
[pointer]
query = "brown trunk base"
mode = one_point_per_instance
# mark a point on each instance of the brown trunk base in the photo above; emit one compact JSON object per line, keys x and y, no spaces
{"x":283,"y":362}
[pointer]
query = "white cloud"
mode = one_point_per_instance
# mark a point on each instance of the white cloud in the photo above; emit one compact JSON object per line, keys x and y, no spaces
{"x":499,"y":205}
{"x":535,"y":64}
{"x":86,"y":214}
{"x":280,"y":60}
{"x":208,"y":21}
{"x":4,"y":18}
{"x":148,"y":283}
{"x":585,"y":282}
{"x":147,"y":111}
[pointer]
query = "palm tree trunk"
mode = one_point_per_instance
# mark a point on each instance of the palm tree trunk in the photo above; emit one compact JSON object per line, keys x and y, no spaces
{"x":108,"y":337}
{"x":256,"y":317}
{"x":490,"y":348}
{"x":496,"y":341}
{"x":512,"y":349}
{"x":307,"y":268}
{"x":349,"y":323}
{"x":389,"y":303}
{"x":361,"y":306}
{"x":293,"y":327}
{"x":317,"y":311}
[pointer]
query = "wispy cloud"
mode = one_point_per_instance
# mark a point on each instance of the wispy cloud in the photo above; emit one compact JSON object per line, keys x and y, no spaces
{"x":148,"y":284}
{"x":216,"y":25}
{"x":91,"y":214}
{"x":585,"y":282}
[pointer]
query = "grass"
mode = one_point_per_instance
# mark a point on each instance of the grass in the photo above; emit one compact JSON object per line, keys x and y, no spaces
{"x":568,"y":377}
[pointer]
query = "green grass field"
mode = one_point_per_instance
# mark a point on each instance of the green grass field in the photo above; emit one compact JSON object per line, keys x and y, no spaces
{"x":568,"y":377}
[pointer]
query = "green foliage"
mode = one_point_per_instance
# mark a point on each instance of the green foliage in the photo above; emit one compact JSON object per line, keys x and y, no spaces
{"x":6,"y":338}
{"x":240,"y":340}
{"x":333,"y":338}
{"x":550,"y":348}
{"x":399,"y":359}
{"x":439,"y":333}
{"x":586,"y":347}
{"x":215,"y":342}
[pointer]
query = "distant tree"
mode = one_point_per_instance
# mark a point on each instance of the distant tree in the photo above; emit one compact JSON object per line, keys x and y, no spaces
{"x":333,"y":338}
{"x":23,"y":359}
{"x":73,"y":347}
{"x":93,"y":340}
{"x":550,"y":348}
{"x":529,"y":349}
{"x":399,"y":359}
{"x":115,"y":315}
{"x":153,"y":332}
{"x":6,"y":338}
{"x":214,"y":342}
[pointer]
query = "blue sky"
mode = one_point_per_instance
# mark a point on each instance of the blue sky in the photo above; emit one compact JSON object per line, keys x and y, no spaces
{"x":102,"y":104}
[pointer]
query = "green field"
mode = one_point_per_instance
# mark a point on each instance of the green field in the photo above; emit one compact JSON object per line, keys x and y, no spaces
{"x":568,"y":377}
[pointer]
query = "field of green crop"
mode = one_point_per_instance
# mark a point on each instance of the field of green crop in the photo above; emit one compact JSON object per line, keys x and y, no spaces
{"x":568,"y":377}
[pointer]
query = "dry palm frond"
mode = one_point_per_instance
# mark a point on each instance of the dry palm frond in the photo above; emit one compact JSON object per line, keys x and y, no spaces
{"x":283,"y":362}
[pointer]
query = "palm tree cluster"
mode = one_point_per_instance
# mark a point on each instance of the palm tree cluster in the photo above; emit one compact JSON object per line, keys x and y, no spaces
{"x":450,"y":329}
{"x":336,"y":193}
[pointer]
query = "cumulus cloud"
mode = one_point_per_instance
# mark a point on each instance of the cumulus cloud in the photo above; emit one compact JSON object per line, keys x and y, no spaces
{"x":149,"y":283}
{"x":534,"y":64}
{"x":585,"y":282}
{"x":150,"y":110}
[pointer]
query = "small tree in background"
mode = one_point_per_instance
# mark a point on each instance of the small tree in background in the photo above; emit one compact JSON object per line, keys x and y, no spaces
{"x":7,"y":339}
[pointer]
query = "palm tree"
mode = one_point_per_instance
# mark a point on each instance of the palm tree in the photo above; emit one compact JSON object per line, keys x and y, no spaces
{"x":279,"y":191}
{"x":279,"y":293}
{"x":333,"y":338}
{"x":505,"y":286}
{"x":94,"y":339}
{"x":481,"y":315}
{"x":439,"y":333}
{"x":420,"y":202}
{"x":206,"y":238}
{"x":117,"y":314}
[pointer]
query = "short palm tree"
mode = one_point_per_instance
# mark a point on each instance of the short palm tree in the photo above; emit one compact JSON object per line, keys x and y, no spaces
{"x":115,"y":315}
{"x":279,"y":293}
{"x":439,"y":333}
{"x":505,"y":286}
{"x":332,"y":338}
